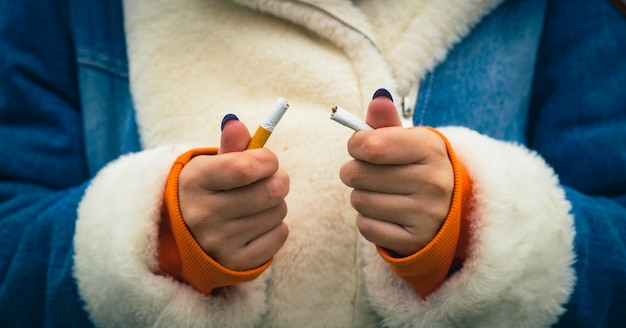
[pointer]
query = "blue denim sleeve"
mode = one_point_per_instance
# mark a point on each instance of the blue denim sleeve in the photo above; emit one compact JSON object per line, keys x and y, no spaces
{"x":42,"y":172}
{"x":579,"y":114}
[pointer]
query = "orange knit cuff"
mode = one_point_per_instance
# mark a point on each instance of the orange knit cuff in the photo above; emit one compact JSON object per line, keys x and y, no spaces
{"x":179,"y":254}
{"x":427,"y":269}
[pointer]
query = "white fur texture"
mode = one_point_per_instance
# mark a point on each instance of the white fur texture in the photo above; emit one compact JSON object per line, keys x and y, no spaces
{"x":115,"y":258}
{"x":182,"y":89}
{"x":519,"y":269}
{"x":410,"y":36}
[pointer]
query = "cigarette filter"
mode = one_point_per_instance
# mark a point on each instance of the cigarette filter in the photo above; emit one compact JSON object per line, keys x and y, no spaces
{"x":268,"y":124}
{"x":347,"y":119}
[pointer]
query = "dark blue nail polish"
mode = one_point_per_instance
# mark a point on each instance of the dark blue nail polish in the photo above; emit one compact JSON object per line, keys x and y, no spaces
{"x":227,"y":118}
{"x":382,"y":92}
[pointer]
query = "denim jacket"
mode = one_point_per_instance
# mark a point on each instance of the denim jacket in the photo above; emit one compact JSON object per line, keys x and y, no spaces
{"x":546,"y":76}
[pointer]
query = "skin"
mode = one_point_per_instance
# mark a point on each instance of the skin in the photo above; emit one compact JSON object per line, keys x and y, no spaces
{"x":402,"y":180}
{"x":236,"y":215}
{"x":402,"y":184}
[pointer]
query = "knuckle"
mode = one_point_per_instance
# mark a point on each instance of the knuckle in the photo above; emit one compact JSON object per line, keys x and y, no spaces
{"x":192,"y":214}
{"x":281,"y":235}
{"x":239,"y":260}
{"x":351,"y":173}
{"x":232,"y":262}
{"x":344,"y":174}
{"x":244,"y":167}
{"x":359,"y":201}
{"x":282,"y":232}
{"x":439,"y":215}
{"x":190,"y":174}
{"x":435,"y":218}
{"x":281,"y":211}
{"x":373,"y":149}
{"x":441,"y":183}
{"x":213,"y":244}
{"x":359,"y":173}
{"x":276,"y":189}
{"x":365,"y":227}
{"x":406,"y":249}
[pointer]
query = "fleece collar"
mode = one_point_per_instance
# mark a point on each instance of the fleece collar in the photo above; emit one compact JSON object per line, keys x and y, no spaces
{"x":412,"y":36}
{"x":389,"y":43}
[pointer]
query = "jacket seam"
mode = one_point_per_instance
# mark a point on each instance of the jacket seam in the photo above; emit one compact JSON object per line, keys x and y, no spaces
{"x":101,"y":62}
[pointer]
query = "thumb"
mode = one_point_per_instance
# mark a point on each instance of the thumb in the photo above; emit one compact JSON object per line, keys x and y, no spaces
{"x":235,"y":135}
{"x":381,"y":111}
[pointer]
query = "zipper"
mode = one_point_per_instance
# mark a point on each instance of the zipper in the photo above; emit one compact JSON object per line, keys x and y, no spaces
{"x":319,"y":7}
{"x":406,"y":107}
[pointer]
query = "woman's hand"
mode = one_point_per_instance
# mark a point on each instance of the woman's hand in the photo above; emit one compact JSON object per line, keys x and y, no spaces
{"x":402,"y":180}
{"x":234,"y":202}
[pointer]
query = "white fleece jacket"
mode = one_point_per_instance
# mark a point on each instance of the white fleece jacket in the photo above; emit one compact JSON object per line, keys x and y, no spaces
{"x":193,"y":61}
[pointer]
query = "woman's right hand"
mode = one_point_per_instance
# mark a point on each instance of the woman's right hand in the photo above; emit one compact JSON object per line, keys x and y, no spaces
{"x":234,"y":202}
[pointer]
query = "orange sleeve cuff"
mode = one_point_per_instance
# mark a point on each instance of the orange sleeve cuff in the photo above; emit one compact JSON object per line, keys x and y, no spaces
{"x":427,"y":269}
{"x":179,"y":254}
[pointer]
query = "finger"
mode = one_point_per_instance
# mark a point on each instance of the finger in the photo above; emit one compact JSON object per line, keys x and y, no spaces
{"x":398,"y":179}
{"x":397,"y":145}
{"x":381,"y":111}
{"x":220,"y":237}
{"x":409,"y":211}
{"x":398,"y":209}
{"x":244,"y":229}
{"x":235,"y":135}
{"x":229,"y":170}
{"x":250,"y":199}
{"x":393,"y":179}
{"x":259,"y":250}
{"x":388,"y":235}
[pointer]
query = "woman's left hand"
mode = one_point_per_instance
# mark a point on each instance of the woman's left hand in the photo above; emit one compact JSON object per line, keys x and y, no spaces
{"x":402,"y":179}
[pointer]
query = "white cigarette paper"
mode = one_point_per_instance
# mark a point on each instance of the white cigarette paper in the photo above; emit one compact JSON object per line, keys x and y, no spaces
{"x":268,"y":124}
{"x":275,"y":114}
{"x":345,"y":118}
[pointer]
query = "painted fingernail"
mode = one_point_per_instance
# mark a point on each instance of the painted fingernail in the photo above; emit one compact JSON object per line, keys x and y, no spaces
{"x":382,"y":92}
{"x":227,"y":118}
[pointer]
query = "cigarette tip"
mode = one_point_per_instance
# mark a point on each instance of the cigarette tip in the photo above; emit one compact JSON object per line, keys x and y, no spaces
{"x":345,"y":118}
{"x":283,"y":102}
